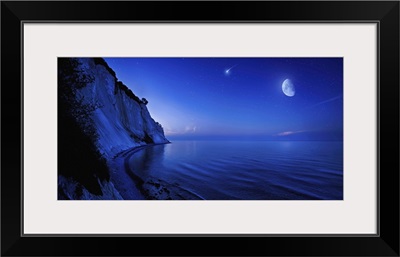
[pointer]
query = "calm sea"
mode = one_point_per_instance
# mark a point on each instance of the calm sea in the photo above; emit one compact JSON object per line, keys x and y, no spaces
{"x":241,"y":170}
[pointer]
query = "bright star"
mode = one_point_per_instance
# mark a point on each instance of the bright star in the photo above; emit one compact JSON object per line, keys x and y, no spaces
{"x":228,"y":71}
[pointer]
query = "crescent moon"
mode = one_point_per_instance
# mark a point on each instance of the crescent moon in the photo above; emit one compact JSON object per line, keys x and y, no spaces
{"x":288,"y":88}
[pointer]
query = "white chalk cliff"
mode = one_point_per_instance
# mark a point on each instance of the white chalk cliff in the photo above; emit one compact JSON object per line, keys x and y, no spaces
{"x":122,"y":119}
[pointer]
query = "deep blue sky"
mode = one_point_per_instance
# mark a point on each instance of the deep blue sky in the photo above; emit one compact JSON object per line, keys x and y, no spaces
{"x":195,"y":97}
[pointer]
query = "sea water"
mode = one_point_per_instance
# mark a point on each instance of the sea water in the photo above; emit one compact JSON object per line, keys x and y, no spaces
{"x":244,"y":170}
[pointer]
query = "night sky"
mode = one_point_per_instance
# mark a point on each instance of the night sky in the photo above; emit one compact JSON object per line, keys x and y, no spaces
{"x":198,"y":98}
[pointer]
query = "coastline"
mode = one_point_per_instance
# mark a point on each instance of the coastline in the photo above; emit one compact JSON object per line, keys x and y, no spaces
{"x":126,"y":182}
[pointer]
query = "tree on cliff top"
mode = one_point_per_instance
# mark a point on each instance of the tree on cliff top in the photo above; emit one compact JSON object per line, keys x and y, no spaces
{"x":144,"y":101}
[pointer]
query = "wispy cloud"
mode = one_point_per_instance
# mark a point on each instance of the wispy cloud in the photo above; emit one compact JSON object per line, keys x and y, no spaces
{"x":189,"y":129}
{"x":326,"y":101}
{"x":287,"y":133}
{"x":170,"y":132}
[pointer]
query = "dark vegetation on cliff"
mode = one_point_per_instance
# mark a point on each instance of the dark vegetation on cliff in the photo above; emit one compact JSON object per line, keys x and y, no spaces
{"x":118,"y":84}
{"x":128,"y":92}
{"x":102,"y":62}
{"x":78,"y":156}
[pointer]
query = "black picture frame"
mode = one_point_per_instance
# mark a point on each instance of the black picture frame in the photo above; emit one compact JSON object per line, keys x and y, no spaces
{"x":384,"y":13}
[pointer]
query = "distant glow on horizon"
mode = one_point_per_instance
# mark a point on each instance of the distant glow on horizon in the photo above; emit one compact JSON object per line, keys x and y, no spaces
{"x":201,"y":97}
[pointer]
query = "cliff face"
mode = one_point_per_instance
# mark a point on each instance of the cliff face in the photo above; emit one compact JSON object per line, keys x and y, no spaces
{"x":99,"y":117}
{"x":122,"y":120}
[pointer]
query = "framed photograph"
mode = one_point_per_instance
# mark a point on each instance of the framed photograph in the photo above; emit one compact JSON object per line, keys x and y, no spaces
{"x":258,"y":128}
